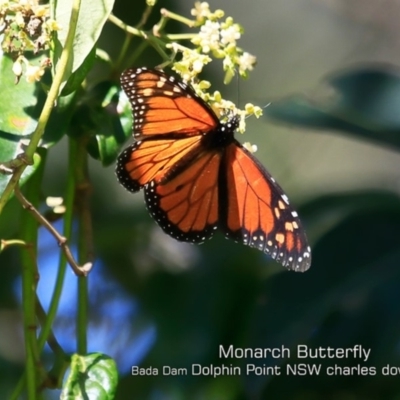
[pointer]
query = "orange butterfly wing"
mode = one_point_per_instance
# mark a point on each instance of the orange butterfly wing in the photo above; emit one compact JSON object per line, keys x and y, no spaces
{"x":197,"y":177}
{"x":163,"y":105}
{"x":256,"y":211}
{"x":169,"y":120}
{"x":186,"y":206}
{"x":152,"y":160}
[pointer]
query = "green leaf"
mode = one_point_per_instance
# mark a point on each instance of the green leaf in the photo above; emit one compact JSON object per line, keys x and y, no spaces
{"x":80,"y":74}
{"x":91,"y":377}
{"x":59,"y":120}
{"x":19,"y":109}
{"x":92,"y":17}
{"x":106,"y":119}
{"x":20,"y":112}
{"x":365,"y":105}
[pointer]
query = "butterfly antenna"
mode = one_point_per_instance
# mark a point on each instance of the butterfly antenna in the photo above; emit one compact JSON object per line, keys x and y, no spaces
{"x":267,"y":105}
{"x":238,"y":88}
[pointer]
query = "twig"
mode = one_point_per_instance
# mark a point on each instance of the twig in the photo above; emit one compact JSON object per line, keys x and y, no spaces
{"x":61,"y":240}
{"x":145,"y":17}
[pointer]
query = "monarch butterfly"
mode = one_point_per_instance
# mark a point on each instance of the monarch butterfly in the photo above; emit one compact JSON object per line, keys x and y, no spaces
{"x":197,"y":178}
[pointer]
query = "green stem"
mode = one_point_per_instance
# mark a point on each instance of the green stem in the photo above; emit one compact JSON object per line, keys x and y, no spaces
{"x":136,"y":53}
{"x":12,"y":242}
{"x":58,"y":287}
{"x":166,"y":14}
{"x":85,"y":238}
{"x":145,"y":16}
{"x":55,"y":299}
{"x":67,"y":232}
{"x":151,"y":38}
{"x":129,"y":34}
{"x":30,"y":275}
{"x":122,"y":25}
{"x":15,"y":395}
{"x":48,"y":105}
{"x":180,"y":36}
{"x":51,"y":340}
{"x":124,"y":49}
{"x":82,"y":316}
{"x":159,"y":46}
{"x":61,"y":363}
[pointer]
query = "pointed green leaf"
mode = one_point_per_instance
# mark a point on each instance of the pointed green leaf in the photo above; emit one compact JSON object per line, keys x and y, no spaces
{"x":77,"y":77}
{"x":91,"y":19}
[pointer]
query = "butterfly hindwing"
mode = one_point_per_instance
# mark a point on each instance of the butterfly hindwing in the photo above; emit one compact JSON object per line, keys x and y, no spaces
{"x":186,"y":206}
{"x":256,"y":212}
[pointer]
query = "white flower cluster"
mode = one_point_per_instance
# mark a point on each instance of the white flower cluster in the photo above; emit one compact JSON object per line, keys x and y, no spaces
{"x":26,"y":26}
{"x":217,"y":39}
{"x":202,"y":12}
{"x":221,"y":38}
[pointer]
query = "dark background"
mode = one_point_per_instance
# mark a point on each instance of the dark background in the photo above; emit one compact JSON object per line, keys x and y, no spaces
{"x":157,"y":302}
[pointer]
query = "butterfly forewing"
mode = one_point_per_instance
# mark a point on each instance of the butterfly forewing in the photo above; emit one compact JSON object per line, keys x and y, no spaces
{"x":163,"y":105}
{"x":257,"y":212}
{"x":149,"y":160}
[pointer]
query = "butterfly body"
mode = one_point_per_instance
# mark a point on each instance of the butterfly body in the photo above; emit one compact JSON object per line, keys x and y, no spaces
{"x":197,"y":177}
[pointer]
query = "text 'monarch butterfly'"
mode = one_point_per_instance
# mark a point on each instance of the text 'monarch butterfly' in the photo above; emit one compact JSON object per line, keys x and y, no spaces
{"x":197,"y":177}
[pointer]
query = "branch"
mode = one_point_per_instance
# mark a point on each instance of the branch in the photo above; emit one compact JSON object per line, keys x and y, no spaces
{"x":61,"y":240}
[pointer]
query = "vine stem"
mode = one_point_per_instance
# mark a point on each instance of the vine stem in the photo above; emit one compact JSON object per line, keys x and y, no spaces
{"x":27,"y":157}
